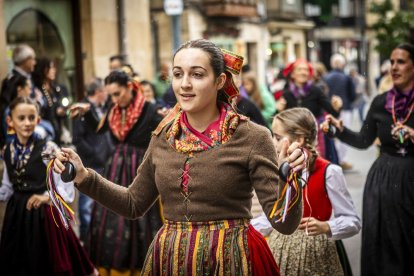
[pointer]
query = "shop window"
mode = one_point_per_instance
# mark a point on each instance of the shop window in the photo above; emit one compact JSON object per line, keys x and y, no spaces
{"x":34,"y":28}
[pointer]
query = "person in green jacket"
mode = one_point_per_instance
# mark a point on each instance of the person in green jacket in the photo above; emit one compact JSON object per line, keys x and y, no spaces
{"x":268,"y":103}
{"x":162,"y":82}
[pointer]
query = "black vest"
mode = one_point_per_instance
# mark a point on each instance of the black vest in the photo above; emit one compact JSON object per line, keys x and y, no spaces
{"x":32,"y":178}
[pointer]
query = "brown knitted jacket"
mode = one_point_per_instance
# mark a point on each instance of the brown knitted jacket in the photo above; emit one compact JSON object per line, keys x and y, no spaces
{"x":221,"y":181}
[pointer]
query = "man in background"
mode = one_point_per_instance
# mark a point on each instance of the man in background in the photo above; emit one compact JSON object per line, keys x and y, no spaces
{"x":341,"y":85}
{"x":24,"y":60}
{"x":116,"y":62}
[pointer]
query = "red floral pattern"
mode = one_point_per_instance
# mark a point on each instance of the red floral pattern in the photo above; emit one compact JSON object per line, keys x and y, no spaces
{"x":183,"y":139}
{"x":132,"y":113}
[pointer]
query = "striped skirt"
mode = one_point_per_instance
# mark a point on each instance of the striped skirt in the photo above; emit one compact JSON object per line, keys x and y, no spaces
{"x":228,"y":247}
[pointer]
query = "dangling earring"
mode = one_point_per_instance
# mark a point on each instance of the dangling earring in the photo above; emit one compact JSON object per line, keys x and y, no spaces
{"x":10,"y":130}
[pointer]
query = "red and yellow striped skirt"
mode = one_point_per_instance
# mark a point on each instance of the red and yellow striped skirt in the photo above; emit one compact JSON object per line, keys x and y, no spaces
{"x":227,"y":247}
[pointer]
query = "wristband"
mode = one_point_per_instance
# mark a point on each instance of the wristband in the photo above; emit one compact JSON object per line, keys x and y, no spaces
{"x":284,"y":171}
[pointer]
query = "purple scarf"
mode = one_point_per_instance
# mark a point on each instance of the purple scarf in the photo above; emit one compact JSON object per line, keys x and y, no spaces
{"x":300,"y":92}
{"x":402,"y":102}
{"x":243,"y":92}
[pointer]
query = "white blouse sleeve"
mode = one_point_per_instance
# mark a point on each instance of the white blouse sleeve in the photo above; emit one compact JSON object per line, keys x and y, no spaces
{"x":6,"y":189}
{"x":345,"y":221}
{"x":262,"y":224}
{"x":65,"y":189}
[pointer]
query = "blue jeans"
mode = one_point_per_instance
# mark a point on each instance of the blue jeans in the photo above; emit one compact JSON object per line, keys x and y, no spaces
{"x":85,"y":212}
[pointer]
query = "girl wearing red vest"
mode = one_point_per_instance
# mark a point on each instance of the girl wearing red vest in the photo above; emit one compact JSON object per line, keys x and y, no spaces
{"x":328,"y":215}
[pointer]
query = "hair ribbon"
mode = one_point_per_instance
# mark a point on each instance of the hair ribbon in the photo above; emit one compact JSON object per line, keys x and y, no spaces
{"x":233,"y":64}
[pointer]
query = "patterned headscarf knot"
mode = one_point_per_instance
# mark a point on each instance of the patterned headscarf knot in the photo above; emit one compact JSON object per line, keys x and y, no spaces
{"x":233,"y":64}
{"x":136,"y":86}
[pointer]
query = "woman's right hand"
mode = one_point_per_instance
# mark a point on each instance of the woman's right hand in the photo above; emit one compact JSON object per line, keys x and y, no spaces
{"x":336,"y":103}
{"x":329,"y":119}
{"x":281,"y":104}
{"x":78,"y":109}
{"x":68,"y":154}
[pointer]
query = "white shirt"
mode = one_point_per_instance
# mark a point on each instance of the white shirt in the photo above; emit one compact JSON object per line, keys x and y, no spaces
{"x":23,"y":73}
{"x":344,"y":221}
{"x":66,"y":190}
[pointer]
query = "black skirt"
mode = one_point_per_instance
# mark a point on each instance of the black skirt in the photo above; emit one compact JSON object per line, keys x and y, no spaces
{"x":388,"y":217}
{"x":23,"y":246}
{"x":114,"y":241}
{"x":32,"y":244}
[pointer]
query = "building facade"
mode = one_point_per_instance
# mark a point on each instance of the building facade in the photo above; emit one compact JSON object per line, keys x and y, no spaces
{"x":267,"y":33}
{"x":81,"y":35}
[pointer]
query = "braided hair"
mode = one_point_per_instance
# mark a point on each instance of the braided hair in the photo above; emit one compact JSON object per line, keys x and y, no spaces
{"x":300,"y":122}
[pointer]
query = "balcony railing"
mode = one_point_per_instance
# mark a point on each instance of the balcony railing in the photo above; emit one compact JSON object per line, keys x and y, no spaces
{"x":285,"y":9}
{"x":231,"y":8}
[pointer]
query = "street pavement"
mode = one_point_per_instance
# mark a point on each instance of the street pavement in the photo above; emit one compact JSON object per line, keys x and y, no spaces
{"x":361,"y":161}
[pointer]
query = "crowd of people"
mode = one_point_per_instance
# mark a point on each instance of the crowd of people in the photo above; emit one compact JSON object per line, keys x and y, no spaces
{"x":166,"y":168}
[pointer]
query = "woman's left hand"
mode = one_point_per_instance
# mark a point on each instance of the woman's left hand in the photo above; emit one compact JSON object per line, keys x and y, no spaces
{"x":297,"y":157}
{"x":35,"y":201}
{"x":314,"y":227}
{"x":408,"y":132}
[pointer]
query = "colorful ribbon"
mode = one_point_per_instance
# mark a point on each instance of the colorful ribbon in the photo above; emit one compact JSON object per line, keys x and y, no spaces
{"x":66,"y":214}
{"x":289,"y":197}
{"x":291,"y":194}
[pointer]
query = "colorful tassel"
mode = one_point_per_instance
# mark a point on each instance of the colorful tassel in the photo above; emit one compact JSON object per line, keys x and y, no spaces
{"x":66,"y":214}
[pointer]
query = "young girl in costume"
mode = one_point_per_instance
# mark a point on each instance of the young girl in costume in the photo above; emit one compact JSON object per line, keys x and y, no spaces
{"x":33,"y":240}
{"x":329,"y":213}
{"x":20,"y":86}
{"x":203,"y":162}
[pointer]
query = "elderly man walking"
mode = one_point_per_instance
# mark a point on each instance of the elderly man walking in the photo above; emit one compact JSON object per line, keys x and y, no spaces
{"x":24,"y":60}
{"x":341,"y":85}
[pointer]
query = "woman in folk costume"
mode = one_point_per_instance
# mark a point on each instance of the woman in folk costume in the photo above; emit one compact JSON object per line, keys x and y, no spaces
{"x":53,"y":111}
{"x":204,"y":161}
{"x":387,"y":212}
{"x":33,"y":240}
{"x":117,"y":245}
{"x":329,"y":213}
{"x":302,"y":92}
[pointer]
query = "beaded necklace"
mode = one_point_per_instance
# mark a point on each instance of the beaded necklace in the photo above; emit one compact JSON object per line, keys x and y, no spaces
{"x":394,"y":118}
{"x":47,"y":95}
